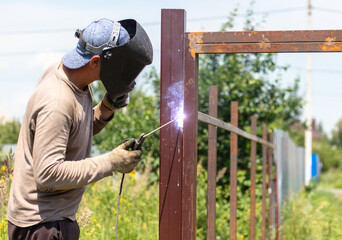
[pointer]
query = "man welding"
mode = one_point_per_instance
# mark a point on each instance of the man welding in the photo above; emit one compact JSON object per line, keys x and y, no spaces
{"x":52,"y":163}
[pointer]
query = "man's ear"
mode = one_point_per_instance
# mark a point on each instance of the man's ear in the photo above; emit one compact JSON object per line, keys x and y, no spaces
{"x":95,"y":61}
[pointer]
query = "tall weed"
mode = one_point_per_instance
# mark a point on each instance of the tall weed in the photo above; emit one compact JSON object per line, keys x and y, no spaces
{"x":315,"y":215}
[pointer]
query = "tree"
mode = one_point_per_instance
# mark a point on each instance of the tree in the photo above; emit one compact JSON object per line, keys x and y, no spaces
{"x":140,"y":116}
{"x":9,"y":131}
{"x":254,"y":80}
{"x":336,"y":134}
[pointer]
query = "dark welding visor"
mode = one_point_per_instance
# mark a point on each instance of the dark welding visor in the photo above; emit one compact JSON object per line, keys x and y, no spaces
{"x":122,"y":64}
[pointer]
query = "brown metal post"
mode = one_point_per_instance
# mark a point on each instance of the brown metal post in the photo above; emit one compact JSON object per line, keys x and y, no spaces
{"x":172,"y":66}
{"x":264,"y":190}
{"x":233,"y":171}
{"x":253,"y":179}
{"x":212,"y":158}
{"x":189,"y":159}
{"x":271,"y":187}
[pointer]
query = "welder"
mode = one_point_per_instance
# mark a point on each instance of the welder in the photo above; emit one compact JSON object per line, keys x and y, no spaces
{"x":52,"y":162}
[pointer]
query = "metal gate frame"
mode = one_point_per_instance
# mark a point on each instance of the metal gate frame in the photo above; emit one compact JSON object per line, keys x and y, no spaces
{"x":179,"y":64}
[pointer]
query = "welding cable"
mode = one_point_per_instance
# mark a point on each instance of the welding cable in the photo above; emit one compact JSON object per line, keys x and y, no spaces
{"x":168,"y":180}
{"x":117,"y":207}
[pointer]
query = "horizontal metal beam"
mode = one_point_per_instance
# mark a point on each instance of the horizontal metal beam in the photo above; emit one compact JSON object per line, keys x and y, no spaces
{"x":226,"y":126}
{"x":269,"y":36}
{"x":265,"y":41}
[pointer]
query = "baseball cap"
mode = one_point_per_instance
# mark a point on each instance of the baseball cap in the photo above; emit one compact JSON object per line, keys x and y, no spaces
{"x":98,"y":33}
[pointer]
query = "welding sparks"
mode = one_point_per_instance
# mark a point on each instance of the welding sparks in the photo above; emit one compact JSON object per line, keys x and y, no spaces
{"x":180,"y":117}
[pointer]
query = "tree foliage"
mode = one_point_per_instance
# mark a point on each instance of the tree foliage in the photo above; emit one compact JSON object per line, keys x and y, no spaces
{"x":336,"y":134}
{"x":9,"y":131}
{"x":254,"y":80}
{"x":140,"y":116}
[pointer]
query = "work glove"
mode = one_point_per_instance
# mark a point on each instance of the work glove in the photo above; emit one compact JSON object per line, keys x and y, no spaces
{"x":117,"y":103}
{"x":123,"y":158}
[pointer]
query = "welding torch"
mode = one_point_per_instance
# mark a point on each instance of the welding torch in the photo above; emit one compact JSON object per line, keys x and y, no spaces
{"x":137,"y":146}
{"x":138,"y":142}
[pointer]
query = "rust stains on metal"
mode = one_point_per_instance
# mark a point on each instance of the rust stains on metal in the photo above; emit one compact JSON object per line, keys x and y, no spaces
{"x":265,"y":43}
{"x":331,"y":46}
{"x":330,"y":40}
{"x":195,"y":38}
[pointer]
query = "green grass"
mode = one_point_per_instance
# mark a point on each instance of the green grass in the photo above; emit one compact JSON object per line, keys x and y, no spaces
{"x":315,"y":214}
{"x":331,"y":179}
{"x":138,"y":217}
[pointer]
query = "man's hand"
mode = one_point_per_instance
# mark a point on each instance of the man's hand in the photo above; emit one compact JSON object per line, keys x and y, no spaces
{"x":122,"y":159}
{"x":116,"y":104}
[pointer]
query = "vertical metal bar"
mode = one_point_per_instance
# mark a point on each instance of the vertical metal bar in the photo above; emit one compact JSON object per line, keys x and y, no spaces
{"x":172,"y":61}
{"x":253,"y":179}
{"x":233,"y":171}
{"x":264,"y":190}
{"x":189,"y":159}
{"x":271,"y":186}
{"x":212,"y":158}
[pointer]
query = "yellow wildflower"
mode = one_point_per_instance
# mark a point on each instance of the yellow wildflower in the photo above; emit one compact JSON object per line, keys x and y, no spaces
{"x":132,"y":174}
{"x":3,"y":168}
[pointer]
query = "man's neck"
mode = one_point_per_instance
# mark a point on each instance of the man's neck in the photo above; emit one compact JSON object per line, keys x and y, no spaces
{"x":77,"y":76}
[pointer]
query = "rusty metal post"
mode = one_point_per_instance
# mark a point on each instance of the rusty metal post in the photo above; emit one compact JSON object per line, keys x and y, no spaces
{"x":253,"y":178}
{"x":189,"y":159}
{"x":172,"y":66}
{"x":271,"y":186}
{"x":212,"y":158}
{"x":233,"y":171}
{"x":264,"y":183}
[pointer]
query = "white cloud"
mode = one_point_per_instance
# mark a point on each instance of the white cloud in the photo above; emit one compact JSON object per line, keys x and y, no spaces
{"x":44,"y":59}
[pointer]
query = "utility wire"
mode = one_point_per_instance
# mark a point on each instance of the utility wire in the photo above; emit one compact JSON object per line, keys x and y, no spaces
{"x":156,"y":23}
{"x":321,"y":70}
{"x":327,"y":10}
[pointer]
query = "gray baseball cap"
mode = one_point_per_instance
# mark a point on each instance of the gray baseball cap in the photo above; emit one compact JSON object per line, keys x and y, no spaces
{"x":95,"y":37}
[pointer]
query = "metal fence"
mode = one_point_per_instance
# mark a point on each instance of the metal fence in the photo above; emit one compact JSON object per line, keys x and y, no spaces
{"x":179,"y":64}
{"x":268,"y":177}
{"x":290,"y":160}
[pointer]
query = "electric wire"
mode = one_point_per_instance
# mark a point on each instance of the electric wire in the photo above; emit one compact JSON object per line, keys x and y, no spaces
{"x":123,"y":175}
{"x":169,"y":177}
{"x":117,"y":207}
{"x":156,"y":23}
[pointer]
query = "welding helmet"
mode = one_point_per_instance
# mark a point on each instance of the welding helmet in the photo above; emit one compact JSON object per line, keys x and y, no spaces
{"x":124,"y":47}
{"x":121,"y":65}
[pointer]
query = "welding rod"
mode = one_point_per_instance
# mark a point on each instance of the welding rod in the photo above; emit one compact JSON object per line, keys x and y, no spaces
{"x":161,"y":126}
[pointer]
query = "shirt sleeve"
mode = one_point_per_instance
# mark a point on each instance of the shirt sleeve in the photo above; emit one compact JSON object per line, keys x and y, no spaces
{"x":50,"y":168}
{"x":99,"y":122}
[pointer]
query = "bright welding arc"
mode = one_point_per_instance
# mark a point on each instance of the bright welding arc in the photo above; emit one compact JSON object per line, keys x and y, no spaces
{"x":180,"y":117}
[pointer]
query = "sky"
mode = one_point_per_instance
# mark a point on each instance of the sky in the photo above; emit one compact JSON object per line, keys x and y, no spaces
{"x":34,"y":34}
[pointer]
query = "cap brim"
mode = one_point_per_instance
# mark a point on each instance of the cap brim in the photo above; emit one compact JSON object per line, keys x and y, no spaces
{"x":74,"y":60}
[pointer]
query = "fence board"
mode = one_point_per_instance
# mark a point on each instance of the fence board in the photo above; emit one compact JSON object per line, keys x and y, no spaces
{"x":253,"y":178}
{"x":233,"y":171}
{"x":212,"y":158}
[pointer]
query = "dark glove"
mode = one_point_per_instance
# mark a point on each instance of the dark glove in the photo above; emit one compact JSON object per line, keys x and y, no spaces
{"x":123,"y":159}
{"x":117,"y":103}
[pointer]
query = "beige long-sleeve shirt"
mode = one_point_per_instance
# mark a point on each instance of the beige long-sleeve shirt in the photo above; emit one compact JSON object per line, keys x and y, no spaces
{"x":52,"y":164}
